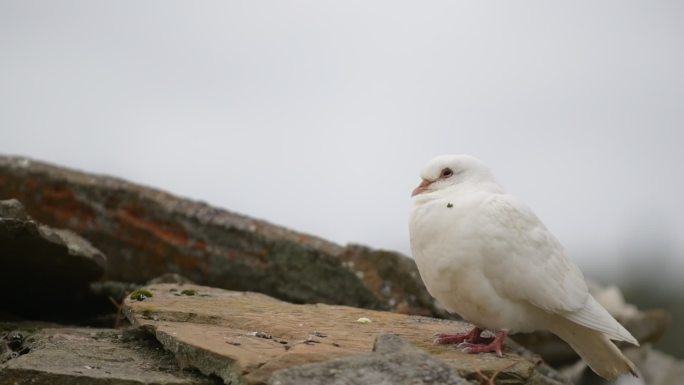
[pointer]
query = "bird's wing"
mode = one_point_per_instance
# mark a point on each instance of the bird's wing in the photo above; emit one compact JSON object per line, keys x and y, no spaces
{"x":524,"y":261}
{"x":595,"y":316}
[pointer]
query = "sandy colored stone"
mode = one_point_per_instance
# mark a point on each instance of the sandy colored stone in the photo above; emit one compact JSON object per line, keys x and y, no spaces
{"x":245,"y":337}
{"x":69,"y":356}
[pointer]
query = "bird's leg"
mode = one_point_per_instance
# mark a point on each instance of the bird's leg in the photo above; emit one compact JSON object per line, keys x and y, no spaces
{"x":494,"y":346}
{"x":473,"y":337}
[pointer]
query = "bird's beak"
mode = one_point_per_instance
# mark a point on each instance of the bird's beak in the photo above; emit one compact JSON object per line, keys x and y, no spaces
{"x":424,"y":184}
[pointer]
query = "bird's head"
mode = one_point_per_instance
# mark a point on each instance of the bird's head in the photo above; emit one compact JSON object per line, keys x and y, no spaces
{"x":446,"y":171}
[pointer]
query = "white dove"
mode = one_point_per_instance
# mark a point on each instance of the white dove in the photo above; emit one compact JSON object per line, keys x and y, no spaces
{"x":485,"y":255}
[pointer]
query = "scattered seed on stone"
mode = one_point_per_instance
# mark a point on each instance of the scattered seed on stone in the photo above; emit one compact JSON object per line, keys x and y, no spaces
{"x":263,"y":335}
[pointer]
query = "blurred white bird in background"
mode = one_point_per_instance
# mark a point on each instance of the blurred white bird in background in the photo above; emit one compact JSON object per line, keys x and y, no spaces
{"x":486,"y":256}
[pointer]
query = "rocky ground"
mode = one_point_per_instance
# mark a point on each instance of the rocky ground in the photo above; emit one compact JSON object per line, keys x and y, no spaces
{"x":107,"y":282}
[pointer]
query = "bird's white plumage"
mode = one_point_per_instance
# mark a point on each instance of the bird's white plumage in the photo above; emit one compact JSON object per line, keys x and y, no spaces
{"x":519,"y":245}
{"x":486,"y":256}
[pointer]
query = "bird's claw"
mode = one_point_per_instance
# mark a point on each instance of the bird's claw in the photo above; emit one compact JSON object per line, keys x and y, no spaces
{"x":455,"y":338}
{"x":470,"y":348}
{"x":465,"y":346}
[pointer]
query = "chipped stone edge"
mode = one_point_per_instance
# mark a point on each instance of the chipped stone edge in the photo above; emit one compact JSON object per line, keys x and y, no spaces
{"x":206,"y":362}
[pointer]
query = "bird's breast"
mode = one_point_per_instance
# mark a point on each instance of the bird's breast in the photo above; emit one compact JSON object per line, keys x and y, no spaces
{"x":448,"y":245}
{"x":442,"y":247}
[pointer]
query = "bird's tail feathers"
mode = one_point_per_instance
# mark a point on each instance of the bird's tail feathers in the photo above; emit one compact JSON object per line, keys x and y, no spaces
{"x":596,"y":349}
{"x":594,"y":316}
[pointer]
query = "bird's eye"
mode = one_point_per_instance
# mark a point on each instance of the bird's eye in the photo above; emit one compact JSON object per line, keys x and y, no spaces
{"x":447,"y":172}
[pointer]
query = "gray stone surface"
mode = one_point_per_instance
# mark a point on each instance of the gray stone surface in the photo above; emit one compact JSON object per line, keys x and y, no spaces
{"x":43,"y":270}
{"x":63,"y":356}
{"x":655,"y":367}
{"x":392,"y":362}
{"x":13,"y":209}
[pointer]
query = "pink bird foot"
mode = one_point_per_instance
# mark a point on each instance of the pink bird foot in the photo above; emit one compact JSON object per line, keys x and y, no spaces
{"x":496,"y":345}
{"x":472,"y":337}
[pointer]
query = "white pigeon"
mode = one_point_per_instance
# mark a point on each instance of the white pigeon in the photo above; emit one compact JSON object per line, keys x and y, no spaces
{"x":484,"y":255}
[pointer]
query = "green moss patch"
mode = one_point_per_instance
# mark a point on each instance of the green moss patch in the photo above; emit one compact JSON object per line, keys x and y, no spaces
{"x":141,"y":294}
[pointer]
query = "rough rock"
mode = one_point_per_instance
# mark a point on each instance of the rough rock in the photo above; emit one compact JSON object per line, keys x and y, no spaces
{"x":244,"y":337}
{"x":653,"y":366}
{"x":146,"y":233}
{"x":657,"y":368}
{"x":393,"y":278}
{"x":64,"y":356}
{"x":393,"y":362}
{"x":36,"y":259}
{"x":13,"y":209}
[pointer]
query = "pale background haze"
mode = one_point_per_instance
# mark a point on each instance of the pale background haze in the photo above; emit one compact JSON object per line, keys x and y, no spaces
{"x":318,"y":115}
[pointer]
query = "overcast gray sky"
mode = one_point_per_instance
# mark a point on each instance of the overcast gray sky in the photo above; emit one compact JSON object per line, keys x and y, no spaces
{"x":318,"y":115}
